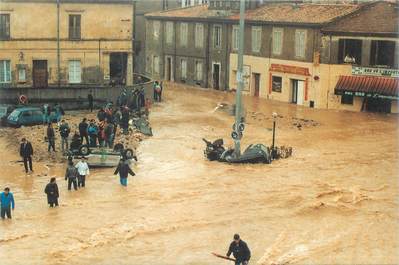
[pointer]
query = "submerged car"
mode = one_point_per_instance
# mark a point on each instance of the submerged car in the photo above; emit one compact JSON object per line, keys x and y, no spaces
{"x":99,"y":156}
{"x":257,"y":153}
{"x":28,"y":116}
{"x":5,"y":110}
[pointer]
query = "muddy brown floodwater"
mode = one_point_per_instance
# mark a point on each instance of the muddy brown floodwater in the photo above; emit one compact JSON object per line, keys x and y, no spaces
{"x":335,"y":201}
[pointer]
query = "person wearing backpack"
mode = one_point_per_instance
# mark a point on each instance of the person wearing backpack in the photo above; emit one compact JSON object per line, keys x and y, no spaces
{"x":64,"y":132}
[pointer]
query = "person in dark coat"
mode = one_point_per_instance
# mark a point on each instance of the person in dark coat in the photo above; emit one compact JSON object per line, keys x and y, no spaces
{"x":83,"y":126}
{"x":240,"y":251}
{"x":71,"y":175}
{"x":90,"y":98}
{"x":50,"y":137}
{"x":52,"y":193}
{"x":26,"y":152}
{"x":125,"y":120}
{"x":124,"y":170}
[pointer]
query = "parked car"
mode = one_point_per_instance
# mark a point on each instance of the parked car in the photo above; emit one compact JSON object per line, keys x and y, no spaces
{"x":28,"y":116}
{"x":5,"y":110}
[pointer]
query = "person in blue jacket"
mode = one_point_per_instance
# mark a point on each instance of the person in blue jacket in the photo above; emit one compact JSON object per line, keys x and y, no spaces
{"x":7,"y":202}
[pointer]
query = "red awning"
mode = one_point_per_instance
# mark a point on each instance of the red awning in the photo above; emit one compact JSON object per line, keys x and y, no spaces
{"x":383,"y":86}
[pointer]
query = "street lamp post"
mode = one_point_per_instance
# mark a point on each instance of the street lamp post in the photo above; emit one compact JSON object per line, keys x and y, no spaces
{"x":274,"y":115}
{"x":240,"y":81}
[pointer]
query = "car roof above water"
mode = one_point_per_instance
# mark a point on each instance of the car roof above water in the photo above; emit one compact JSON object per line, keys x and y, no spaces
{"x":21,"y":109}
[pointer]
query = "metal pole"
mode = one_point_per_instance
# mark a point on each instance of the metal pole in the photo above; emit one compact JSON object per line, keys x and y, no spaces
{"x":58,"y":45}
{"x":274,"y":133}
{"x":240,"y":79}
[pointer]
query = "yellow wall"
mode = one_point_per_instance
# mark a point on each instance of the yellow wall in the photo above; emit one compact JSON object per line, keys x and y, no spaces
{"x":262,"y":65}
{"x":33,"y":31}
{"x":320,"y":91}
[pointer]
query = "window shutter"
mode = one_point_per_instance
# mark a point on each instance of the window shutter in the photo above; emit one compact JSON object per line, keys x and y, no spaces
{"x":183,"y":69}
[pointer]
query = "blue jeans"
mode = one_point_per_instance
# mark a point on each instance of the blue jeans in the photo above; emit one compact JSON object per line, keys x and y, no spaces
{"x":123,"y":181}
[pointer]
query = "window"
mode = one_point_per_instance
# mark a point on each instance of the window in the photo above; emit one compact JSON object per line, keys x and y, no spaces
{"x":256,"y":38}
{"x":382,"y":53}
{"x":277,"y":83}
{"x":156,"y":27}
{"x":155,"y":61}
{"x":148,"y":64}
{"x":74,"y":72}
{"x":183,"y":34}
{"x":169,"y":32}
{"x":350,"y":51}
{"x":300,"y":43}
{"x":217,"y":36}
{"x":4,"y":26}
{"x":347,"y":99}
{"x":234,"y":37}
{"x":21,"y":75}
{"x":199,"y":35}
{"x":277,"y":41}
{"x":74,"y":27}
{"x":5,"y":71}
{"x":183,"y":64}
{"x":198,"y":70}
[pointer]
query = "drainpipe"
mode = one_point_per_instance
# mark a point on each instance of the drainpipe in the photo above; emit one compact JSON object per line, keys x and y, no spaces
{"x":207,"y":66}
{"x":58,"y":45}
{"x":133,"y":35}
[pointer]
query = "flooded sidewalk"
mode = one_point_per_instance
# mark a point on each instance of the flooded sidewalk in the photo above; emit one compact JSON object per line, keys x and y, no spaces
{"x":333,"y":202}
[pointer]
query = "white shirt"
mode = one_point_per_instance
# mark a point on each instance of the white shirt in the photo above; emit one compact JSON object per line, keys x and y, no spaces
{"x":83,"y":168}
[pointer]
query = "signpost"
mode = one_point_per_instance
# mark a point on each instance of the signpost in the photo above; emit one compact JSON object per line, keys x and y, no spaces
{"x":240,"y":83}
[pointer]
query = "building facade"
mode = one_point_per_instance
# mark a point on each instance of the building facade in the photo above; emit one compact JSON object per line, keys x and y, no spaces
{"x":293,"y":52}
{"x":73,"y":43}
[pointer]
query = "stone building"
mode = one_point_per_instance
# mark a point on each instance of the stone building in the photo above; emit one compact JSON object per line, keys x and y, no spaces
{"x":73,"y":43}
{"x":369,"y":81}
{"x":286,"y":47}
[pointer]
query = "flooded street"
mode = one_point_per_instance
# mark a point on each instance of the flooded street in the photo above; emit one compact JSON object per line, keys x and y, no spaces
{"x":335,"y":201}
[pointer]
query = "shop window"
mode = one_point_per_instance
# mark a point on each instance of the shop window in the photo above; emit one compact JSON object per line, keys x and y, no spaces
{"x":382,"y":53}
{"x":350,"y":51}
{"x":198,"y":70}
{"x":347,"y":99}
{"x":277,"y":83}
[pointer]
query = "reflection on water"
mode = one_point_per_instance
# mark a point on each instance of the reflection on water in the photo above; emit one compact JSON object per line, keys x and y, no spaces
{"x":333,"y":202}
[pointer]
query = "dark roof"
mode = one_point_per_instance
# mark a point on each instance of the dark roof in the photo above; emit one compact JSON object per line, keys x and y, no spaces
{"x":71,"y":1}
{"x":287,"y":13}
{"x":368,"y":84}
{"x":377,"y":18}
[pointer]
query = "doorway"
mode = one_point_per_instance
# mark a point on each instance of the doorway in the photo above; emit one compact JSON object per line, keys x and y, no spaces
{"x":382,"y":105}
{"x":168,"y":69}
{"x":118,"y":68}
{"x":256,"y":78}
{"x":216,"y":75}
{"x":40,"y":74}
{"x":297,"y":91}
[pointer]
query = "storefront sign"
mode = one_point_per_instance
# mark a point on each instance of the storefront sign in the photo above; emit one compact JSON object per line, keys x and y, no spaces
{"x":282,"y":68}
{"x":356,"y":70}
{"x":369,"y":95}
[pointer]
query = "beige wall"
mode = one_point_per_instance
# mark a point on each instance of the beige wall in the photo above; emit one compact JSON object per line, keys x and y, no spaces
{"x":33,"y":30}
{"x":320,"y":91}
{"x":262,"y":65}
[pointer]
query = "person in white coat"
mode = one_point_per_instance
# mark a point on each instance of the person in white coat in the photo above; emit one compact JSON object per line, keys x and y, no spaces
{"x":83,"y":171}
